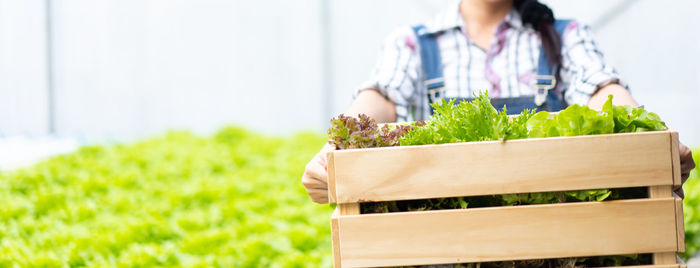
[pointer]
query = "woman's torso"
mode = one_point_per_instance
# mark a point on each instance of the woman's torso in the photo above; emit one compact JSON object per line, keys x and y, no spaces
{"x":506,"y":69}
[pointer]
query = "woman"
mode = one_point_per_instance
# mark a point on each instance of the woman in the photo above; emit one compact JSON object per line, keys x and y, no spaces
{"x":512,"y":48}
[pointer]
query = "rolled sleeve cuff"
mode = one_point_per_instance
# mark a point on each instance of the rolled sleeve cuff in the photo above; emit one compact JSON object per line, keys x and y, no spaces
{"x":367,"y":85}
{"x":581,"y":92}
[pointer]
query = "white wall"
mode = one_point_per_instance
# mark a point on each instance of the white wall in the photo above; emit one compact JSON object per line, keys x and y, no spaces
{"x":359,"y":29}
{"x":23,"y":96}
{"x":656,"y":48}
{"x":125,"y":69}
{"x":129,"y":68}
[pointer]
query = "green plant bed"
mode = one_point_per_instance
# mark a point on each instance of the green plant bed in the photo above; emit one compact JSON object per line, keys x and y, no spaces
{"x":691,"y":209}
{"x":231,"y":200}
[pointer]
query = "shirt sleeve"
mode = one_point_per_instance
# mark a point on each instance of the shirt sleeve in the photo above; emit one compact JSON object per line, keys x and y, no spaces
{"x":396,"y":72}
{"x":583,"y":67}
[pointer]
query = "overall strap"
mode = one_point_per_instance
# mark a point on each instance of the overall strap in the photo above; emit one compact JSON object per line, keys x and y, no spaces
{"x":432,"y":64}
{"x":546,"y":79}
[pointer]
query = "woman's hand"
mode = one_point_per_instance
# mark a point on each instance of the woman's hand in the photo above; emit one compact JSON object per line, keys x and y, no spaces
{"x":687,"y":165}
{"x":315,"y":178}
{"x":369,"y":102}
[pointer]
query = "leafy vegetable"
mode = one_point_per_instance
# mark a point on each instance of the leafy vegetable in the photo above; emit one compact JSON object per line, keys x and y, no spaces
{"x":348,"y":132}
{"x":580,"y":120}
{"x":628,"y":119}
{"x":477,"y":120}
{"x":575,"y":120}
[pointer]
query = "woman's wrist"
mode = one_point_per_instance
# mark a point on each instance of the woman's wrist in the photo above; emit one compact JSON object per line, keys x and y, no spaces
{"x":621,"y":96}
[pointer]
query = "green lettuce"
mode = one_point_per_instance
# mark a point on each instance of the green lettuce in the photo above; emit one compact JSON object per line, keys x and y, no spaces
{"x":629,"y":119}
{"x":477,"y":120}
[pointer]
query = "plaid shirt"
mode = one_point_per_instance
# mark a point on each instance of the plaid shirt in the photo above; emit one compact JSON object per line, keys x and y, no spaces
{"x":507,"y":69}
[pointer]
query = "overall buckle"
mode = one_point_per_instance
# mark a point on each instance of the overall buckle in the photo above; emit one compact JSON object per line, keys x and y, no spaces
{"x":435,"y":88}
{"x":542,"y":84}
{"x":435,"y":95}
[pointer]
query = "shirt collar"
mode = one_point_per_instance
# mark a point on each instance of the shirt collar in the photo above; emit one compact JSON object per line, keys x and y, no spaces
{"x":451,"y":18}
{"x":513,"y":19}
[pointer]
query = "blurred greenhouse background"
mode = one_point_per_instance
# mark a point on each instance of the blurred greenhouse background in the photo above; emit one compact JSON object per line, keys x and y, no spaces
{"x":111,"y":80}
{"x":118,"y":70}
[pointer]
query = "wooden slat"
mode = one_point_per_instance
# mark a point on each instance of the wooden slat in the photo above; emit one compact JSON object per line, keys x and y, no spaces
{"x":665,"y":191}
{"x":650,"y":266}
{"x":660,"y":191}
{"x":330,"y":168}
{"x":665,"y":258}
{"x":680,"y":225}
{"x":335,"y":241}
{"x":508,"y":233}
{"x":340,"y":210}
{"x":349,"y":209}
{"x":517,"y":166}
{"x":675,"y":159}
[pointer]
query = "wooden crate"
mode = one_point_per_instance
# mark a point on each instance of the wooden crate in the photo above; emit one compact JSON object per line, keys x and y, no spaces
{"x":648,"y":225}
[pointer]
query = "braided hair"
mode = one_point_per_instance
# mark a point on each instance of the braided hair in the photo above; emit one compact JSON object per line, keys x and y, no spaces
{"x":541,"y":18}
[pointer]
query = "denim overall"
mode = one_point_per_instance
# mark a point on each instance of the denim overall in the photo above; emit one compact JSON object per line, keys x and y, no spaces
{"x":544,"y":81}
